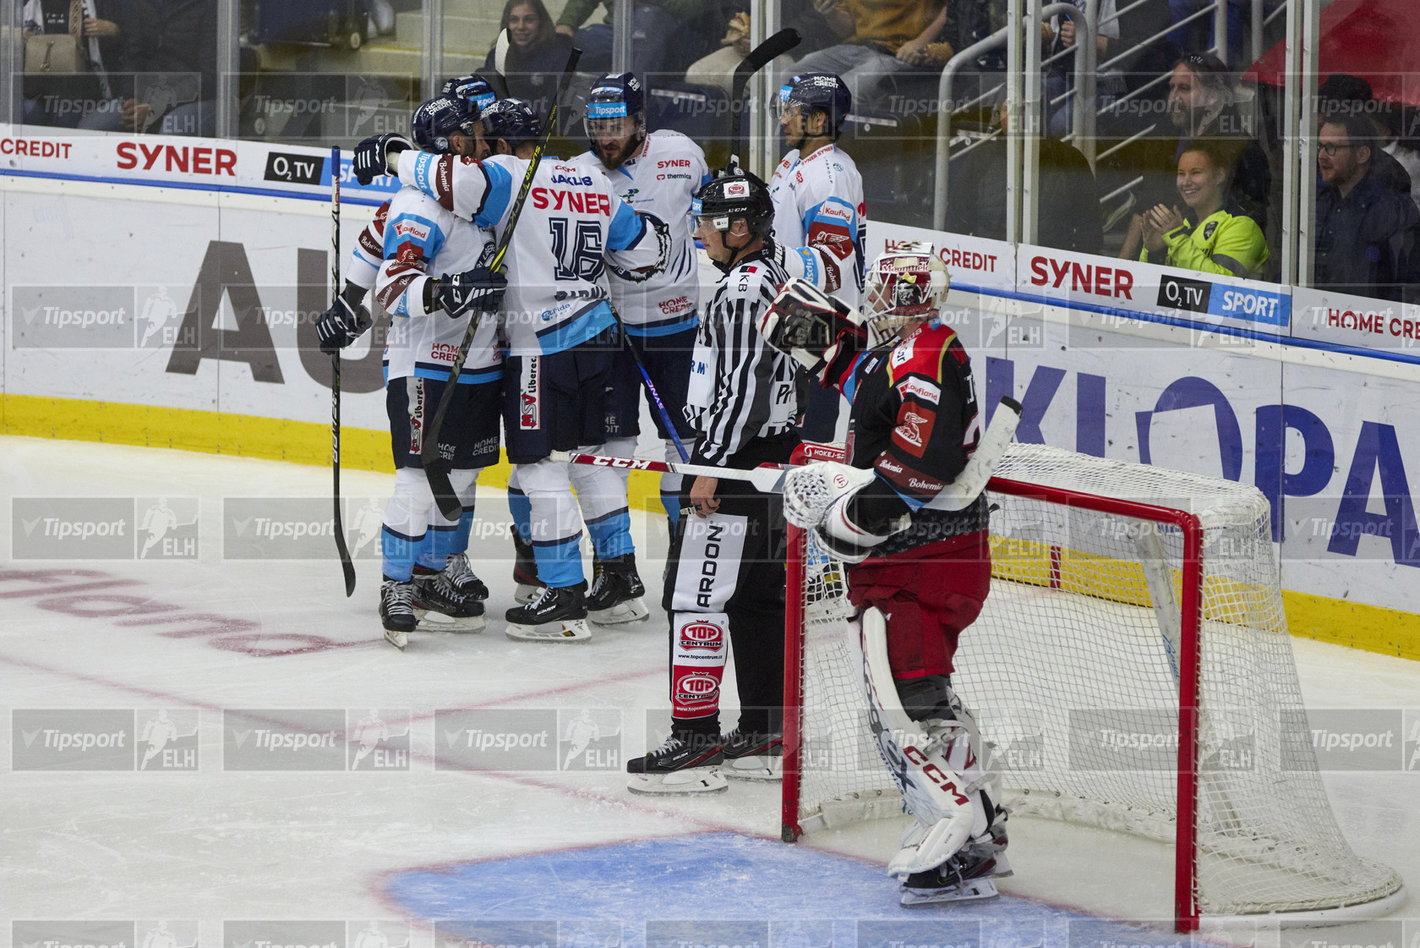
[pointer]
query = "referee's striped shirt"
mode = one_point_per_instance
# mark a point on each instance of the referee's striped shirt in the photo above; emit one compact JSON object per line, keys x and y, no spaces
{"x":747,"y":388}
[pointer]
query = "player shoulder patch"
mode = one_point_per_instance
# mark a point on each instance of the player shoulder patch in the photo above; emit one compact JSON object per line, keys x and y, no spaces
{"x":407,"y":229}
{"x":920,"y":388}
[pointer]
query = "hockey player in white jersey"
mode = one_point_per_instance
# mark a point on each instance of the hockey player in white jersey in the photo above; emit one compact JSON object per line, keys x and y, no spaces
{"x":429,"y":317}
{"x":348,"y":317}
{"x":819,"y":209}
{"x":656,"y":172}
{"x":560,"y":331}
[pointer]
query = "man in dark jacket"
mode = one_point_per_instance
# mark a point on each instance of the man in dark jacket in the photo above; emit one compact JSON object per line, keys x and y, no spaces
{"x":1367,"y":234}
{"x":168,"y":81}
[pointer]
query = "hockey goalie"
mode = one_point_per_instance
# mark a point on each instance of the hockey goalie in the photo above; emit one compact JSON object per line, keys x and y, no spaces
{"x":918,"y":574}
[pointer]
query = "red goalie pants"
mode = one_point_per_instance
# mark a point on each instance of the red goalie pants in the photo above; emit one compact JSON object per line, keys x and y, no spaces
{"x":928,"y":595}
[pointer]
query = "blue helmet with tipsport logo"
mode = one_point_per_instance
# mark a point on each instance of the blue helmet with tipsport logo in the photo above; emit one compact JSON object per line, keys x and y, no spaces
{"x":473,"y":87}
{"x":615,"y":96}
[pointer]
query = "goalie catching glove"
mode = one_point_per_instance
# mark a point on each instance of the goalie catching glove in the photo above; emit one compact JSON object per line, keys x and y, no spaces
{"x":479,"y":289}
{"x":372,"y":155}
{"x":819,"y":497}
{"x":341,"y":325}
{"x":812,"y":327}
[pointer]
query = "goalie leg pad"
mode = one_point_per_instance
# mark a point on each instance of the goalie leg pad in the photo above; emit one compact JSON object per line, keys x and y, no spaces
{"x":933,"y":792}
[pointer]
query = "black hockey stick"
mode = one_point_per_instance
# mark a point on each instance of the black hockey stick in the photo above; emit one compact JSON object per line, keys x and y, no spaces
{"x":345,"y":564}
{"x":773,"y":46}
{"x":434,"y":468}
{"x":650,"y":387}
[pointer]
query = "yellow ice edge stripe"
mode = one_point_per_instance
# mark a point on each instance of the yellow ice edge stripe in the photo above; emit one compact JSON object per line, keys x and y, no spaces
{"x":1354,"y":625}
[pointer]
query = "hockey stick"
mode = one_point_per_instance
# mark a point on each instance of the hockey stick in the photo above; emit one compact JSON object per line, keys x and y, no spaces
{"x":449,"y":504}
{"x":500,"y":58}
{"x":651,"y":388}
{"x":967,"y":486}
{"x":345,"y":564}
{"x":773,"y":46}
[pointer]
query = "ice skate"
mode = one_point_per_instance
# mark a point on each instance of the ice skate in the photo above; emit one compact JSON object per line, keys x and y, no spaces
{"x":750,"y":756}
{"x":616,"y":592}
{"x":440,"y":607}
{"x":557,"y":614}
{"x":685,"y":763}
{"x":965,"y":877}
{"x":525,"y":570}
{"x":397,"y":612}
{"x":458,"y":571}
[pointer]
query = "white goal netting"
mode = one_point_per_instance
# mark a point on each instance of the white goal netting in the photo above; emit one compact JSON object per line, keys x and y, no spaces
{"x":1075,"y":670}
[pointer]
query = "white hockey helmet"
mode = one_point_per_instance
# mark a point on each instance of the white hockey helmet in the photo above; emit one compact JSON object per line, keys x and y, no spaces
{"x":905,"y":284}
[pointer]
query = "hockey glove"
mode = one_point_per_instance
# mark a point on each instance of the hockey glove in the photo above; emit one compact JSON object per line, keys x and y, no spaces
{"x":341,"y":325}
{"x":372,"y":155}
{"x":845,"y":538}
{"x":479,"y":289}
{"x":812,"y":327}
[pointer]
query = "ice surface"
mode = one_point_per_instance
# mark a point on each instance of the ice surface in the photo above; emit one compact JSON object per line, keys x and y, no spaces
{"x":407,"y":823}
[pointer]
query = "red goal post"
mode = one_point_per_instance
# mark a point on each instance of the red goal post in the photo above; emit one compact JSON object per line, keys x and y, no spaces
{"x":1131,"y":669}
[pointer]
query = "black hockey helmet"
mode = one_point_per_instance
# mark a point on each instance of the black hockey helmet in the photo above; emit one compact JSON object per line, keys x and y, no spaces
{"x":615,"y":95}
{"x":735,"y":195}
{"x":512,"y":120}
{"x":435,"y":120}
{"x":473,"y":87}
{"x":818,"y":90}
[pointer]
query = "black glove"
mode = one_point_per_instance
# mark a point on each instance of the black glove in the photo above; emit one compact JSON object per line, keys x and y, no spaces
{"x":480,"y":288}
{"x":372,"y":155}
{"x":340,"y":325}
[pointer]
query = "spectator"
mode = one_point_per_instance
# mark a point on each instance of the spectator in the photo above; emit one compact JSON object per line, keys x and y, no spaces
{"x":64,"y":100}
{"x":1366,"y":233}
{"x":1343,"y":94}
{"x":1068,"y":202}
{"x":659,"y":35}
{"x":1200,"y":108}
{"x":1060,"y":75}
{"x":168,"y":80}
{"x":881,"y":40}
{"x":717,"y":68}
{"x":1213,"y":236}
{"x":537,"y":54}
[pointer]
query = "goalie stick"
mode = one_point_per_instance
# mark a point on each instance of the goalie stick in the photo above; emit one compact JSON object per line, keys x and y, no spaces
{"x":340,"y":546}
{"x":757,"y":59}
{"x":770,"y":477}
{"x":434,"y":469}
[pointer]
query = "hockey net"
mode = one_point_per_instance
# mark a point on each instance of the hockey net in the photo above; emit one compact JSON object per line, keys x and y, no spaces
{"x":1131,"y":670}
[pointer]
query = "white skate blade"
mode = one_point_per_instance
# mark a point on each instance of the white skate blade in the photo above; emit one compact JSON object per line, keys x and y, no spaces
{"x":690,"y":780}
{"x":398,"y":639}
{"x":438,"y":622}
{"x":972,"y":890}
{"x":939,"y":844}
{"x":526,"y":593}
{"x":632,"y":610}
{"x":568,"y":630}
{"x":755,"y":767}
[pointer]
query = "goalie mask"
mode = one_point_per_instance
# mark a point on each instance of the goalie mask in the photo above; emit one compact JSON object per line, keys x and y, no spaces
{"x":903,"y":286}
